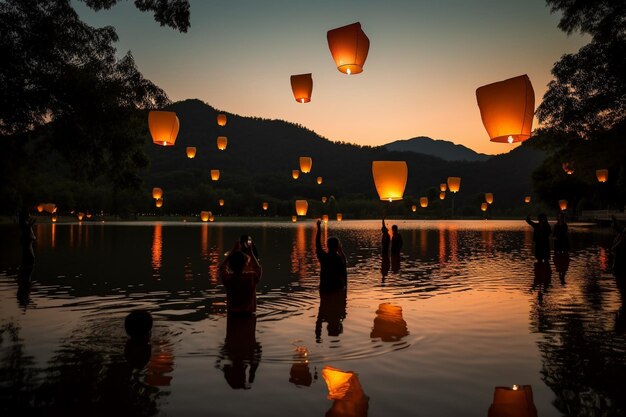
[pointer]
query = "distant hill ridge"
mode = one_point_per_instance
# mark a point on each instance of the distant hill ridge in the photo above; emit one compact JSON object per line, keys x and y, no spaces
{"x":446,"y":150}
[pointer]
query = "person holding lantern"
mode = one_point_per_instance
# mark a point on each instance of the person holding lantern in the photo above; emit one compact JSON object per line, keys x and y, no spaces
{"x":541,"y":237}
{"x":333,"y":269}
{"x":240,"y":273}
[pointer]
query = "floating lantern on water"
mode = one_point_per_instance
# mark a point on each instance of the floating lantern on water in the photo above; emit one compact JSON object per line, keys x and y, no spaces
{"x":294,"y":218}
{"x":302,"y":206}
{"x":54,"y":218}
{"x":215,"y":174}
{"x":306,"y":162}
{"x":80,"y":216}
{"x":527,"y":199}
{"x":516,"y":401}
{"x":442,"y":195}
{"x":390,"y":179}
{"x":489,"y":198}
{"x":221,"y":202}
{"x":295,"y":174}
{"x":163,"y":127}
{"x":349,"y":47}
{"x":158,"y":202}
{"x":265,"y":206}
{"x":389,"y":325}
{"x":222,"y":142}
{"x":191,"y":152}
{"x":454,"y":184}
{"x":221,"y":119}
{"x":602,"y":175}
{"x":157,"y":193}
{"x":319,"y":180}
{"x":339,"y":217}
{"x":204,"y":216}
{"x":324,"y":200}
{"x":443,"y":187}
{"x":568,"y":167}
{"x":40,"y":208}
{"x":302,"y":87}
{"x":413,"y":208}
{"x":484,"y":206}
{"x":507,"y":109}
{"x":325,"y":218}
{"x":423,"y":202}
{"x":563,"y":205}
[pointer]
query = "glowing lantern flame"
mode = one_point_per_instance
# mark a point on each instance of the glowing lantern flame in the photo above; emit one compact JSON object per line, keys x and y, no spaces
{"x":54,"y":218}
{"x":602,"y":175}
{"x":507,"y":109}
{"x":80,"y":216}
{"x":563,"y":205}
{"x":222,"y":142}
{"x":489,"y":198}
{"x":295,"y":174}
{"x":158,"y":202}
{"x":221,"y":120}
{"x":389,"y":325}
{"x":568,"y":167}
{"x":319,"y":180}
{"x":294,"y":218}
{"x":302,"y":87}
{"x":211,"y":217}
{"x":423,"y":202}
{"x":484,"y":206}
{"x":40,"y":208}
{"x":349,"y":47}
{"x":443,"y":187}
{"x":191,"y":152}
{"x":527,"y":199}
{"x":442,"y":195}
{"x":324,"y":199}
{"x":163,"y":127}
{"x":204,"y":216}
{"x":221,"y":202}
{"x":49,"y":208}
{"x":516,"y":401}
{"x":265,"y":206}
{"x":157,"y":193}
{"x":306,"y":163}
{"x":414,"y":208}
{"x":390,"y":179}
{"x":325,"y":218}
{"x":302,"y":206}
{"x":454,"y":184}
{"x":339,"y":217}
{"x":215,"y":174}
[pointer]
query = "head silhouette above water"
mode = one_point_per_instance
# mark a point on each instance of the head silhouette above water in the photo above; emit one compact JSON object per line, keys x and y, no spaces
{"x":394,"y":228}
{"x":236,"y":262}
{"x":333,"y":244}
{"x":542,"y":218}
{"x":138,"y":324}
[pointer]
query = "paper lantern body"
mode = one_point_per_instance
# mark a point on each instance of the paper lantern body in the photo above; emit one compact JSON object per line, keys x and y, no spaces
{"x":265,"y":206}
{"x":513,"y":402}
{"x":302,"y":206}
{"x":349,"y":47}
{"x":563,"y":205}
{"x":295,"y":174}
{"x":442,"y":195}
{"x":568,"y":167}
{"x":489,"y":198}
{"x":338,"y":382}
{"x":306,"y":163}
{"x":158,"y":202}
{"x":423,"y":202}
{"x":443,"y":187}
{"x":602,"y":175}
{"x":157,"y":193}
{"x":527,"y":199}
{"x":211,"y":217}
{"x":215,"y":174}
{"x":454,"y":184}
{"x":294,"y":218}
{"x":80,"y":216}
{"x":389,"y":325}
{"x":40,"y":208}
{"x":50,"y":208}
{"x":191,"y":152}
{"x":163,"y":127}
{"x":88,"y":215}
{"x":324,"y":199}
{"x":204,"y":216}
{"x":222,"y":142}
{"x":339,"y":217}
{"x":325,"y":218}
{"x":221,"y":120}
{"x":483,"y":206}
{"x":390,"y":179}
{"x":54,"y":218}
{"x":302,"y":87}
{"x":221,"y":202}
{"x":413,"y":208}
{"x":320,"y":180}
{"x":507,"y":108}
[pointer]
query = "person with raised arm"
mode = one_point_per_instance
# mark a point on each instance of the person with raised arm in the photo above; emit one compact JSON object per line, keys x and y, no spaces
{"x":333,"y":266}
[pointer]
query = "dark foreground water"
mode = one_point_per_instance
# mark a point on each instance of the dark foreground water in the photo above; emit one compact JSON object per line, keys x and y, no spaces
{"x":463,"y":311}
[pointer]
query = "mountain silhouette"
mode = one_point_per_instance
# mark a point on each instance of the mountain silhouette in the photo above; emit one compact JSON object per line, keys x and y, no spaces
{"x":443,"y":149}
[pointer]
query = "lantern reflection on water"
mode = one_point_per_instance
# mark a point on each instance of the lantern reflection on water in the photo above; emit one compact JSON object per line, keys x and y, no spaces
{"x":346,"y":391}
{"x":516,"y":401}
{"x":389,"y":325}
{"x":390,"y":179}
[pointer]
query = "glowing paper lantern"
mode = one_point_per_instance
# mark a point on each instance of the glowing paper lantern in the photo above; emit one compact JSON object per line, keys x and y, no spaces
{"x":221,"y":120}
{"x":294,"y":218}
{"x":338,"y":382}
{"x":423,"y":202}
{"x":215,"y":174}
{"x":339,"y":217}
{"x":414,"y":208}
{"x":325,"y":218}
{"x":164,"y":127}
{"x":265,"y":206}
{"x":306,"y":163}
{"x":40,"y":208}
{"x":390,"y":179}
{"x":88,"y":215}
{"x":507,"y":109}
{"x":442,"y":195}
{"x":54,"y":218}
{"x":527,"y":199}
{"x":157,"y":193}
{"x":222,"y":142}
{"x":563,"y":205}
{"x":489,"y":198}
{"x":454,"y":184}
{"x":513,"y":402}
{"x":191,"y":152}
{"x":80,"y":216}
{"x":159,"y":202}
{"x":602,"y":175}
{"x":443,"y":187}
{"x":568,"y":167}
{"x":302,"y":206}
{"x":389,"y":325}
{"x":50,"y":208}
{"x":221,"y":202}
{"x":295,"y":174}
{"x":320,"y":180}
{"x":302,"y":87}
{"x":211,"y":217}
{"x":324,"y":199}
{"x":204,"y":216}
{"x":349,"y":47}
{"x":484,"y":206}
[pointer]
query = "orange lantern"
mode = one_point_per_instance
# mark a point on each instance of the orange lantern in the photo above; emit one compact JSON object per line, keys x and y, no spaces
{"x":191,"y":152}
{"x":40,"y":208}
{"x":339,"y":217}
{"x":413,"y":208}
{"x":489,"y":198}
{"x":443,"y":187}
{"x":568,"y":167}
{"x":157,"y":193}
{"x":164,"y":127}
{"x":442,"y":195}
{"x":54,"y":218}
{"x":50,"y":208}
{"x":302,"y":87}
{"x":484,"y":206}
{"x":204,"y":216}
{"x":602,"y":175}
{"x":563,"y":205}
{"x":295,"y":174}
{"x":516,"y":401}
{"x":221,"y":202}
{"x":390,"y":179}
{"x":306,"y":163}
{"x":324,"y":199}
{"x":423,"y":202}
{"x":338,"y":382}
{"x":221,"y":119}
{"x":507,"y":109}
{"x":215,"y":174}
{"x":325,"y":218}
{"x":159,"y":202}
{"x":80,"y":216}
{"x":211,"y":217}
{"x":265,"y":206}
{"x":349,"y":47}
{"x":319,"y":180}
{"x":389,"y":325}
{"x":527,"y":199}
{"x":294,"y":218}
{"x":222,"y":142}
{"x":454,"y":184}
{"x":88,"y":215}
{"x":302,"y":206}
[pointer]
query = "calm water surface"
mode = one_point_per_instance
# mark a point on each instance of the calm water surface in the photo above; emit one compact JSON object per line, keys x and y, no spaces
{"x":461,"y":312}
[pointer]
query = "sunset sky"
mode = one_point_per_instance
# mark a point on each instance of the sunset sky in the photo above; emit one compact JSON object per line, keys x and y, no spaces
{"x":426,"y":60}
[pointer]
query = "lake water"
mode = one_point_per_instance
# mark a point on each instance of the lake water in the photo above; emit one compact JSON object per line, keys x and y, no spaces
{"x":463,"y":311}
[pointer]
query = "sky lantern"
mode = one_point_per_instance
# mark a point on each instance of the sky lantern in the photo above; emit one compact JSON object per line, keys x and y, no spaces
{"x":602,"y":175}
{"x":507,"y":109}
{"x":483,"y":206}
{"x":390,"y":179}
{"x":54,"y":218}
{"x":163,"y":127}
{"x":516,"y":401}
{"x":527,"y":199}
{"x":568,"y":167}
{"x":157,"y":193}
{"x":413,"y":208}
{"x":349,"y":47}
{"x":215,"y":174}
{"x":454,"y":184}
{"x":489,"y":198}
{"x":442,"y":195}
{"x":325,"y":218}
{"x":222,"y":142}
{"x":423,"y":202}
{"x":389,"y":325}
{"x":302,"y":206}
{"x":211,"y":217}
{"x":158,"y":202}
{"x":302,"y":87}
{"x":306,"y":162}
{"x":324,"y":199}
{"x":88,"y":215}
{"x":295,"y":174}
{"x":80,"y":216}
{"x":191,"y":152}
{"x":39,"y":208}
{"x":320,"y":180}
{"x":204,"y":216}
{"x":443,"y":187}
{"x":294,"y":219}
{"x":339,"y":217}
{"x":50,"y":208}
{"x":265,"y":206}
{"x":221,"y":119}
{"x":221,"y":202}
{"x":563,"y":205}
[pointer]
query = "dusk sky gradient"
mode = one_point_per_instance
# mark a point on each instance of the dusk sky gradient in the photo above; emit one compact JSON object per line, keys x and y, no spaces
{"x":426,"y":60}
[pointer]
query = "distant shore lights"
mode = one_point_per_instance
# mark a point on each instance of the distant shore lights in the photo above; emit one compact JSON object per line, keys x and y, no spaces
{"x":349,"y":47}
{"x":302,"y":87}
{"x":390,"y":179}
{"x":164,"y":126}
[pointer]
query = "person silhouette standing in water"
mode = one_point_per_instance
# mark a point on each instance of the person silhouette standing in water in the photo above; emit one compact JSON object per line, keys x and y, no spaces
{"x":541,"y":237}
{"x":396,"y":248}
{"x":385,"y":240}
{"x":240,"y":273}
{"x":561,"y":246}
{"x":333,"y":266}
{"x":27,"y":238}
